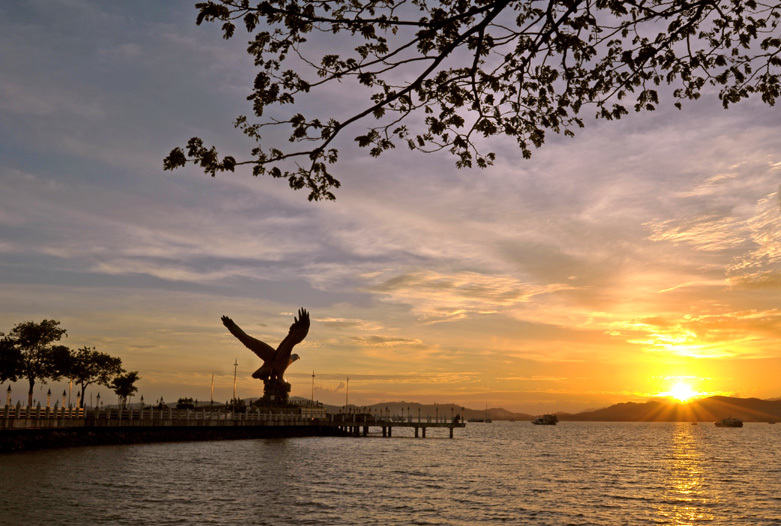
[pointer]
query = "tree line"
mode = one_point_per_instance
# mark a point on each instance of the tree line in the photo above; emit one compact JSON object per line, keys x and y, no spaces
{"x":32,"y":351}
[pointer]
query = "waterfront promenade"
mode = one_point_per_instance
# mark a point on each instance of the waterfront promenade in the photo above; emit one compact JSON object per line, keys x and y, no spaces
{"x":32,"y":428}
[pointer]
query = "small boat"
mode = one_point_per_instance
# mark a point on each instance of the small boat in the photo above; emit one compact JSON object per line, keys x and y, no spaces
{"x":695,"y":423}
{"x":730,"y":422}
{"x":485,"y":419}
{"x":545,"y":420}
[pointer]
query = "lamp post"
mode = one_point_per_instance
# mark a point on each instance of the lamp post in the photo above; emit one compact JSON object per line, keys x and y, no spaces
{"x":235,"y":365}
{"x":8,"y":397}
{"x":48,"y":398}
{"x":98,"y":401}
{"x":64,"y":394}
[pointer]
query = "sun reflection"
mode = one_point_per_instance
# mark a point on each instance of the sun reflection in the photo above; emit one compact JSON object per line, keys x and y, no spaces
{"x":685,"y":497}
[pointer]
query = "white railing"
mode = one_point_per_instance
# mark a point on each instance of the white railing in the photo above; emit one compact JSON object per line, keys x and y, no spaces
{"x":40,"y":412}
{"x":35,"y":417}
{"x":18,"y":417}
{"x":41,"y":417}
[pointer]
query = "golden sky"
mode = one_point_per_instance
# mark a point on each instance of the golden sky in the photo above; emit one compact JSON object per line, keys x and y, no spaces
{"x":610,"y":267}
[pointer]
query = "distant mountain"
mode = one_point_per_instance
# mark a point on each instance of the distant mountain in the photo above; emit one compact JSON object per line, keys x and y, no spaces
{"x":708,"y":409}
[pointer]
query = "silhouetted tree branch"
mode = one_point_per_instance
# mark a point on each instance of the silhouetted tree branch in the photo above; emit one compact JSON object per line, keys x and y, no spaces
{"x":443,"y":74}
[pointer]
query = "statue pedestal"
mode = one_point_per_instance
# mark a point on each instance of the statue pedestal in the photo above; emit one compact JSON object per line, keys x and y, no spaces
{"x":275,"y":392}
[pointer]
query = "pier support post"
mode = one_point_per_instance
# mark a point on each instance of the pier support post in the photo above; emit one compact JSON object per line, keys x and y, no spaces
{"x":451,"y":431}
{"x":416,"y":431}
{"x":424,"y":432}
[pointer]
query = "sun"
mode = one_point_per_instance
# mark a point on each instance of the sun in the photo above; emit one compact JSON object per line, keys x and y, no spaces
{"x":682,"y":392}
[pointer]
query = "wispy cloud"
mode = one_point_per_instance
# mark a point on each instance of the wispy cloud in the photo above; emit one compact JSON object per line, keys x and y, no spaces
{"x":441,"y":297}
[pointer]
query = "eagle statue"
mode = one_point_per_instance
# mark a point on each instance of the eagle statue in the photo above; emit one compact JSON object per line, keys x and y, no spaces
{"x":275,"y":361}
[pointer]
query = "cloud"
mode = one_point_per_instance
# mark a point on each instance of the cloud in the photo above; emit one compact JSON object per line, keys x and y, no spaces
{"x":749,"y":334}
{"x":536,"y":378}
{"x":350,"y":324}
{"x":761,"y":266}
{"x":706,"y":232}
{"x":438,"y":296}
{"x":40,"y":101}
{"x":747,"y":237}
{"x":385,"y":341}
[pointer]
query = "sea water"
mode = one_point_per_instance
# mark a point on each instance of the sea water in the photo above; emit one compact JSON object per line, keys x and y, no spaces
{"x":490,"y":473}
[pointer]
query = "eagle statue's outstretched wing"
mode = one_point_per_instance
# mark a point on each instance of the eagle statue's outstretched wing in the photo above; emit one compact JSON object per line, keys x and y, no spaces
{"x":264,"y":351}
{"x":298,"y":331}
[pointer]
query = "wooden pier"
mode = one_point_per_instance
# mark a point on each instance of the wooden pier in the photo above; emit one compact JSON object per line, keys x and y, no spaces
{"x":358,"y":426}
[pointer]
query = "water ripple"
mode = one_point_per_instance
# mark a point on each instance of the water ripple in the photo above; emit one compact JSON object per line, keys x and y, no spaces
{"x":500,"y":473}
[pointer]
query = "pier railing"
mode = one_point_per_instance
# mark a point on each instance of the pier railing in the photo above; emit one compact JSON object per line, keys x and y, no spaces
{"x":19,"y":417}
{"x":194,"y":417}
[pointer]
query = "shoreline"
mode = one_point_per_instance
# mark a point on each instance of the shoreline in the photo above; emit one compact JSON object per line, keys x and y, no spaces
{"x":17,"y":440}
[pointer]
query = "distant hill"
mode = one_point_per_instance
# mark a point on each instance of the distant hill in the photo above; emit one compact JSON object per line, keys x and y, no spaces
{"x":432,"y":410}
{"x":663,"y":410}
{"x":708,"y":409}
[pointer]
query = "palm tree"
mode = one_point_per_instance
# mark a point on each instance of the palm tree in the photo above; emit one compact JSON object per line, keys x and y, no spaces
{"x":123,"y":386}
